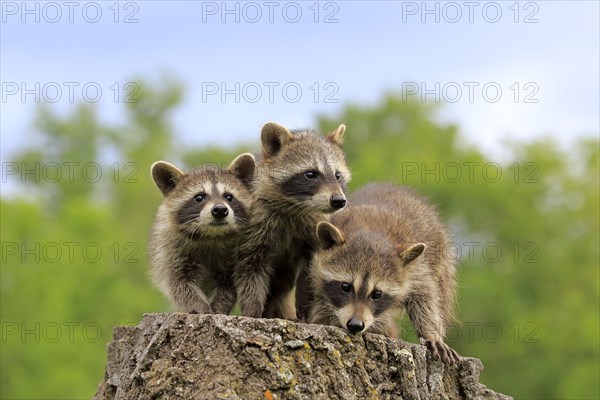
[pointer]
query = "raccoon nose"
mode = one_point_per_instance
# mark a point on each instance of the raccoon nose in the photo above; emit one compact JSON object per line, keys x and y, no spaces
{"x":355,"y":325}
{"x":337,"y":201}
{"x":219,"y":211}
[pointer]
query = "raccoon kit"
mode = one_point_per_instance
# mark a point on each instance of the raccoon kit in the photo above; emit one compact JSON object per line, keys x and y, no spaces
{"x":387,"y":251}
{"x":300,"y":181}
{"x":196,"y":232}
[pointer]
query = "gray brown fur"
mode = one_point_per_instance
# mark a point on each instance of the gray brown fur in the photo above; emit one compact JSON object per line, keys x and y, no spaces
{"x":193,"y":243}
{"x":280,"y":235}
{"x":388,"y":239}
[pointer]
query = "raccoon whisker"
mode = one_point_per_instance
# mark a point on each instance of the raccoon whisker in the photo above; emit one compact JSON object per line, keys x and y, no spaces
{"x":302,"y":209}
{"x":297,"y":206}
{"x":190,"y":235}
{"x":292,"y":209}
{"x":241,"y":220}
{"x":191,"y":220}
{"x":307,"y":209}
{"x":296,"y":209}
{"x":193,"y":233}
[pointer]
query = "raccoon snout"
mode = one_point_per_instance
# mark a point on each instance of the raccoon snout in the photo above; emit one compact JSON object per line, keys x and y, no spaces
{"x":337,"y":201}
{"x":219,"y":211}
{"x":354,"y":325}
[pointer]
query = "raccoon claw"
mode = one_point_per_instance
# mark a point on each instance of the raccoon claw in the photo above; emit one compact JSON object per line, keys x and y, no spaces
{"x":441,"y":351}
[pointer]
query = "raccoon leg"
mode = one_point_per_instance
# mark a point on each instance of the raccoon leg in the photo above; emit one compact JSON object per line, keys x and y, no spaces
{"x":223,"y":296}
{"x":188,"y":297}
{"x":281,"y":306}
{"x":304,"y":294}
{"x":254,"y":273}
{"x":429,"y":325}
{"x":281,"y":302}
{"x":288,"y":306}
{"x":252,"y":293}
{"x":252,"y":280}
{"x":223,"y":300}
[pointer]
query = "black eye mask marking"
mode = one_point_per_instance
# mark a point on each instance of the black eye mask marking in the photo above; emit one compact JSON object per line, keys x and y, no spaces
{"x":335,"y":294}
{"x":191,"y":209}
{"x":299,"y":185}
{"x":239,"y":211}
{"x":381,"y":304}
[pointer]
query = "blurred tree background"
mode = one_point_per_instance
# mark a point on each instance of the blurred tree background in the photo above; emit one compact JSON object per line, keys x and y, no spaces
{"x":526,"y":230}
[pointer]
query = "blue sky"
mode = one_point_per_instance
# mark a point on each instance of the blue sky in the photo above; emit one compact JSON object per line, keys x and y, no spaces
{"x":365,"y":50}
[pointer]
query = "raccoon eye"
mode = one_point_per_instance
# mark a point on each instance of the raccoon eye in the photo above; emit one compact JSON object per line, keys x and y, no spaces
{"x":199,"y":198}
{"x":229,"y":197}
{"x":376,"y":294}
{"x":338,"y":176}
{"x":346,"y":287}
{"x":310,"y":174}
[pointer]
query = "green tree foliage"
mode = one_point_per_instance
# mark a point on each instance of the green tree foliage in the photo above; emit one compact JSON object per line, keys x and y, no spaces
{"x":526,"y":231}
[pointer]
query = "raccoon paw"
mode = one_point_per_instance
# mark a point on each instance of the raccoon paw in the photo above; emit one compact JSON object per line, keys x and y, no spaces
{"x":253,"y":312}
{"x":201,"y":309}
{"x":441,"y":351}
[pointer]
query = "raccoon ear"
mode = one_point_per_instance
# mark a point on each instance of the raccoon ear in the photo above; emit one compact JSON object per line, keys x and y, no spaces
{"x":409,"y":255}
{"x":166,"y":176}
{"x":329,"y":235}
{"x":273,"y":137}
{"x":243,"y":167}
{"x":336,"y":136}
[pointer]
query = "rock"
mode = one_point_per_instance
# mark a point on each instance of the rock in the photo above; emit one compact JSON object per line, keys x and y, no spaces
{"x":190,"y":356}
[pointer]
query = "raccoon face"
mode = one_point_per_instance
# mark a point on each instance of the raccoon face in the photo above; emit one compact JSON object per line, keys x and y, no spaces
{"x":305,"y":168}
{"x":361,"y":279}
{"x":213,"y":210}
{"x":209,"y":201}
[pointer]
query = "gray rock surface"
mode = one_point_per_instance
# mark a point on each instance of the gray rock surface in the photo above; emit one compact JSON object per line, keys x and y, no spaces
{"x":188,"y":356}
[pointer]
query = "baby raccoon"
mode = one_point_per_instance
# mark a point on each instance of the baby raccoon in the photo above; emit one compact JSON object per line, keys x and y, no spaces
{"x":301,"y":179}
{"x":196,"y":233}
{"x":387,"y":251}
